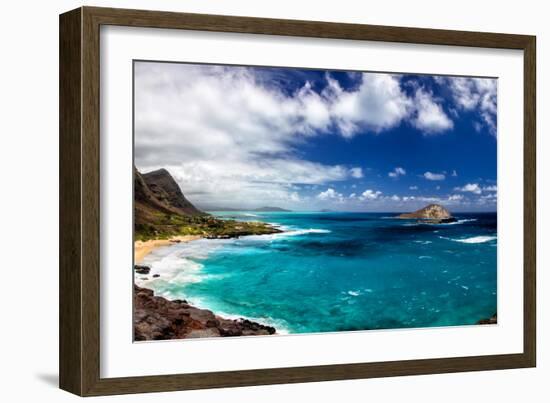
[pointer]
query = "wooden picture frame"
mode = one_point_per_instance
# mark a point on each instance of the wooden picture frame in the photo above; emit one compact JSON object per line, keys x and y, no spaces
{"x":79,"y":346}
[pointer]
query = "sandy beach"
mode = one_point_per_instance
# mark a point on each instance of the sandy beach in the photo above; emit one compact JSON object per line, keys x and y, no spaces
{"x":143,"y":248}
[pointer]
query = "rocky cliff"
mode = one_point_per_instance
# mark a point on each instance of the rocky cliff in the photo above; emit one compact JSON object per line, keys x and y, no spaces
{"x":165,"y":189}
{"x":156,"y":318}
{"x":431,"y":213}
{"x":157,"y":191}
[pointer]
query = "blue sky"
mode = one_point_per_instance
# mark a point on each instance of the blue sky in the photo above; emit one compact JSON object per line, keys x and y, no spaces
{"x":246,"y":137}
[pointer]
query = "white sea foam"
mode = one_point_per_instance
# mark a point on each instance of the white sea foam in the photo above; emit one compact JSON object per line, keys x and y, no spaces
{"x":460,"y":221}
{"x":423,"y":242}
{"x":177,"y":265}
{"x":308,"y":231}
{"x":474,"y":239}
{"x":280,"y":325}
{"x":457,"y":222}
{"x":354,"y":293}
{"x":172,"y":270}
{"x":288,"y":232}
{"x":425,"y":257}
{"x":250,"y":215}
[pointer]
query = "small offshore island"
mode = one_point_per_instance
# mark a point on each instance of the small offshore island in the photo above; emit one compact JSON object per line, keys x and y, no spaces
{"x":163,"y":216}
{"x":431,"y":214}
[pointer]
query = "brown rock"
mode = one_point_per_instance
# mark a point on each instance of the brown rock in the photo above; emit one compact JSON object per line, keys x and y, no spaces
{"x":488,"y":321}
{"x":141,"y":269}
{"x":157,"y":318}
{"x":433,"y":213}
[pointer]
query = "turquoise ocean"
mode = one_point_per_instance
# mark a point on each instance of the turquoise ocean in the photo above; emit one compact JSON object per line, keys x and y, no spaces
{"x":338,"y":272}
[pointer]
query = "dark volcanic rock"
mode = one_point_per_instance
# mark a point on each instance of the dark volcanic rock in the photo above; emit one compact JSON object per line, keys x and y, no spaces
{"x":488,"y":321}
{"x":156,"y":318}
{"x":141,"y":269}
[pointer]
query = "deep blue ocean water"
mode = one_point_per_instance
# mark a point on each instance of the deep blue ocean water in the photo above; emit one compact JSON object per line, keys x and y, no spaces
{"x":339,"y":272}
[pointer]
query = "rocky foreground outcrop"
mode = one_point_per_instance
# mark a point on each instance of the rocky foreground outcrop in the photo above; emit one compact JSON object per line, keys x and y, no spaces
{"x":488,"y":321}
{"x":432,"y":213}
{"x":157,"y":318}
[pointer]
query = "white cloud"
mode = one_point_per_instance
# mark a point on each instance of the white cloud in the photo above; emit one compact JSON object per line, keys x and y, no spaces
{"x":455,"y":197}
{"x":370,"y":194}
{"x":490,"y":198}
{"x":395,"y":198}
{"x":492,"y":188}
{"x":478,"y":94}
{"x":430,"y":117}
{"x":244,"y":152}
{"x":295,"y":197}
{"x":452,"y":199}
{"x":470,"y":187}
{"x":230,"y":138}
{"x":434,"y":176}
{"x":356,"y":172}
{"x":397,"y":172}
{"x":330,"y":194}
{"x":378,"y":104}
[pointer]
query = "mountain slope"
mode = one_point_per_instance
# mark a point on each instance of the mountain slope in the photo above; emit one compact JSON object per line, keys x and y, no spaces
{"x":159,"y":205}
{"x":166,"y":191}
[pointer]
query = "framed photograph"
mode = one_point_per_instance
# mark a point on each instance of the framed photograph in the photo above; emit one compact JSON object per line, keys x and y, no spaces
{"x":249,"y":201}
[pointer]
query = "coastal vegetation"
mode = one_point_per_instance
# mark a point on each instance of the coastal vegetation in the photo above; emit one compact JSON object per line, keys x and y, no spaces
{"x":165,"y":226}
